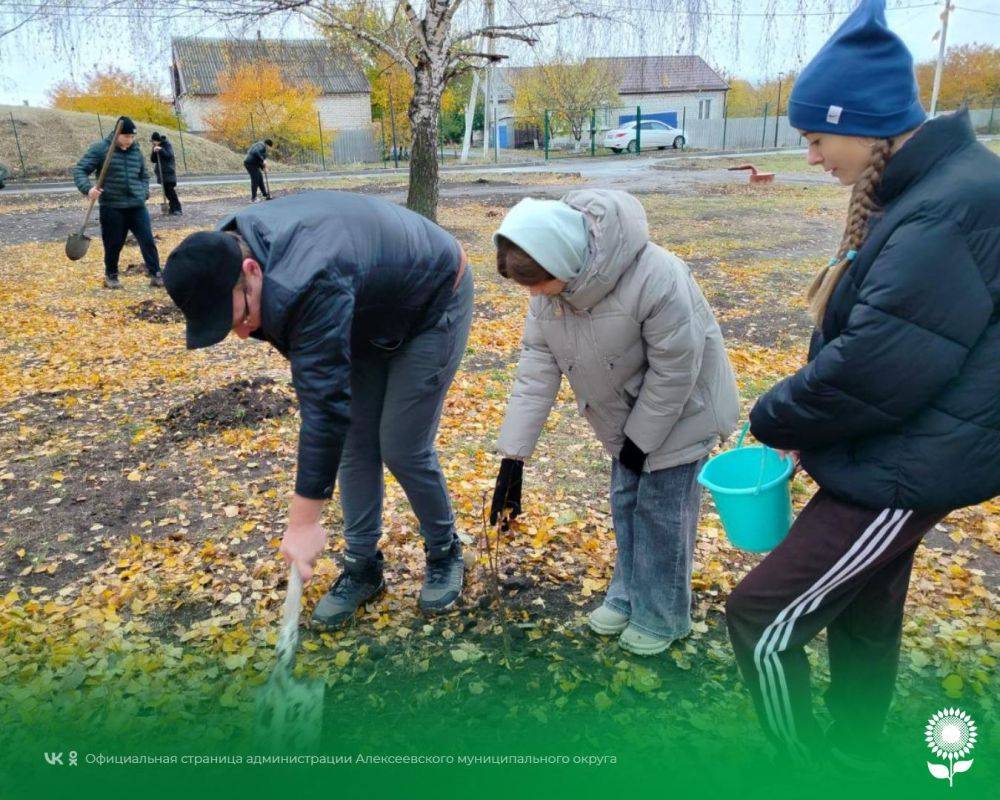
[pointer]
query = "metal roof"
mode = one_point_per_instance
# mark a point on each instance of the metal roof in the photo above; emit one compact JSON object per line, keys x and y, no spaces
{"x":200,"y":61}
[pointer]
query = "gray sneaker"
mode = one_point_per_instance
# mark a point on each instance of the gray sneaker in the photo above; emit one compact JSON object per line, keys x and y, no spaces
{"x":112,"y":282}
{"x":362,"y":580}
{"x":443,"y":579}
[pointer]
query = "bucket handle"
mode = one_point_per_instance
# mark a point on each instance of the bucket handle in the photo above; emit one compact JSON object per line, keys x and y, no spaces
{"x":763,"y":455}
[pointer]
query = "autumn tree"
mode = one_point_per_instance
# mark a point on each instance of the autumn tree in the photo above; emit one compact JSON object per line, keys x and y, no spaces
{"x":746,"y":99}
{"x":255,"y":102}
{"x":971,"y":74}
{"x":113,"y":92}
{"x":569,"y":89}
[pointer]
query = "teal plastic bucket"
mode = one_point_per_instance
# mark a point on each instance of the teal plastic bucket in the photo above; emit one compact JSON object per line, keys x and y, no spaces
{"x":750,"y":486}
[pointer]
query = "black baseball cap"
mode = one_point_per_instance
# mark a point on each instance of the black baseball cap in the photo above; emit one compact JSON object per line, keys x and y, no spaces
{"x":128,"y":126}
{"x":199,"y":277}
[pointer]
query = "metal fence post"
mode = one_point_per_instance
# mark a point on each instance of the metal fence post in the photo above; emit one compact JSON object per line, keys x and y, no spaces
{"x":253,"y":132}
{"x":17,"y":142}
{"x":180,"y":136}
{"x":993,"y":108}
{"x":322,"y":147}
{"x":100,"y":127}
{"x":638,"y":130}
{"x":763,"y":128}
{"x":684,"y":119}
{"x":593,"y":132}
{"x":546,"y":134}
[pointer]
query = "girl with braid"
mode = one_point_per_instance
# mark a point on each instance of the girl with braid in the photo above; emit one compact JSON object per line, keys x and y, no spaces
{"x":896,"y":415}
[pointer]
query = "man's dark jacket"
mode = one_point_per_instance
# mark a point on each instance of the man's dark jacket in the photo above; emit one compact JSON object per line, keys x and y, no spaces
{"x":899,"y":405}
{"x":163,"y":162}
{"x":126,"y":184}
{"x":256,"y":155}
{"x":342,"y":272}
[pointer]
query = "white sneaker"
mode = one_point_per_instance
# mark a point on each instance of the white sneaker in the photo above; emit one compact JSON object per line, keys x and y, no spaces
{"x":606,"y":621}
{"x":642,"y":644}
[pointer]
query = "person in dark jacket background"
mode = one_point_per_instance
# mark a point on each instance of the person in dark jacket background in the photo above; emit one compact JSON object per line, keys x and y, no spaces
{"x":122,"y":200}
{"x":256,"y":164}
{"x":895,"y":415}
{"x":165,"y":167}
{"x":371,"y":304}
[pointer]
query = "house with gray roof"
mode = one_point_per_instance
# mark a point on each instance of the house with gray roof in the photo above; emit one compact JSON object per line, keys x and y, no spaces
{"x":676,"y":89}
{"x":197,"y":63}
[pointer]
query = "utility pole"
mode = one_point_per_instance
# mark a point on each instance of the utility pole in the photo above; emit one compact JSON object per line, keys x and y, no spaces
{"x":491,"y":82}
{"x":940,"y":62}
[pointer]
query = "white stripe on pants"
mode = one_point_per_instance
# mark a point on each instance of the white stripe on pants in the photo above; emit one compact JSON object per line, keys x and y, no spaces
{"x":774,"y":640}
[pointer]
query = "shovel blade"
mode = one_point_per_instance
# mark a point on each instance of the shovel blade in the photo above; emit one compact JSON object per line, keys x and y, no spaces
{"x":164,"y":208}
{"x":289,"y":714}
{"x":77,"y":245}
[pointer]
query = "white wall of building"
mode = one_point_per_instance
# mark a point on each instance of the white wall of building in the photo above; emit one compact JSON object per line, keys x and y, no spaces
{"x":337,"y":111}
{"x":699,"y":105}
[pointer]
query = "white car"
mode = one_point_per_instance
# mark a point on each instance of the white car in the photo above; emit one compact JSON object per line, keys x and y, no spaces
{"x":653,"y":134}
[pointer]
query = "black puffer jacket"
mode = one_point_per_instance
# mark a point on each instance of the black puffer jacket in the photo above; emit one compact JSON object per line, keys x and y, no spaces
{"x":899,"y":405}
{"x":164,"y":164}
{"x":127,"y":183}
{"x":342,"y":271}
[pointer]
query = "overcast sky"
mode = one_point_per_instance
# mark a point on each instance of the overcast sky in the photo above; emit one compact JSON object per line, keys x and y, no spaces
{"x":33,"y":59}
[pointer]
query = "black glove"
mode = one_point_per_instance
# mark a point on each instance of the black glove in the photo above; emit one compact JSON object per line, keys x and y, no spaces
{"x":631,"y":457}
{"x":507,"y":494}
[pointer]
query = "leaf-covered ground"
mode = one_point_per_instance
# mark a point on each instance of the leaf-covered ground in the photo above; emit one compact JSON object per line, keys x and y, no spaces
{"x":143,"y":489}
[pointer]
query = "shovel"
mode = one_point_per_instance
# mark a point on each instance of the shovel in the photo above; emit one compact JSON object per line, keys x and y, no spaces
{"x":289,"y":715}
{"x":164,"y":203}
{"x":77,"y":244}
{"x":267,"y":185}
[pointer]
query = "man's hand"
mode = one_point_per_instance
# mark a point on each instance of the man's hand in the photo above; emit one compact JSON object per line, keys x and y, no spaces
{"x":304,"y":537}
{"x":94,"y":193}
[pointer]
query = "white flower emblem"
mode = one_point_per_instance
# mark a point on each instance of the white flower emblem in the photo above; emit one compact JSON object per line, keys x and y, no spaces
{"x":950,"y":734}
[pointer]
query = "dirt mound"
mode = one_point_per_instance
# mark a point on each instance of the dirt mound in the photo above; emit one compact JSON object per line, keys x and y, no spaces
{"x":151,"y":311}
{"x":234,"y":405}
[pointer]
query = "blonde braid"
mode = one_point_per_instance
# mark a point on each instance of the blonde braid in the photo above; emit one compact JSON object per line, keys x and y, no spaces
{"x":863,"y":205}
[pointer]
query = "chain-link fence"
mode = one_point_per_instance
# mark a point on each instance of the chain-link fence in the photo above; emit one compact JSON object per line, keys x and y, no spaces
{"x":45,"y":143}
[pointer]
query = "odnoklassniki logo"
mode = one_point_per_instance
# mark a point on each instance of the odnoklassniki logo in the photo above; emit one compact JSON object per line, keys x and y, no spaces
{"x":950,"y":734}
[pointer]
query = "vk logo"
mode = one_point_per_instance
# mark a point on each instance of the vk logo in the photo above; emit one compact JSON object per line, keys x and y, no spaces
{"x":57,"y":758}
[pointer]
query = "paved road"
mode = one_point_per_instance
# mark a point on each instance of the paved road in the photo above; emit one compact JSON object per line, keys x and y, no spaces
{"x":62,"y":207}
{"x":602,"y":166}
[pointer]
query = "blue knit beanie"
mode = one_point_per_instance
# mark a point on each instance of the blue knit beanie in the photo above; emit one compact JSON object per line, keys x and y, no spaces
{"x":860,"y":83}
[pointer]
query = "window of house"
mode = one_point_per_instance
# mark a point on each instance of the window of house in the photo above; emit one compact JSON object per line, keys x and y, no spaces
{"x":704,"y":109}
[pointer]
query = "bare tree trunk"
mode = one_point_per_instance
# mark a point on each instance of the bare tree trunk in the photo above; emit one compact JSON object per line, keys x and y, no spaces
{"x":470,"y":115}
{"x":425,"y":109}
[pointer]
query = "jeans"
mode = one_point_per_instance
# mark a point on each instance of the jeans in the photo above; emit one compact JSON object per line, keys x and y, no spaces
{"x":656,"y":520}
{"x":396,"y":402}
{"x":115,"y":225}
{"x":256,"y":181}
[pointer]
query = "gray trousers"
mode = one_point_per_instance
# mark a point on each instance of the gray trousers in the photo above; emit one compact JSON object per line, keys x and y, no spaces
{"x":396,"y":402}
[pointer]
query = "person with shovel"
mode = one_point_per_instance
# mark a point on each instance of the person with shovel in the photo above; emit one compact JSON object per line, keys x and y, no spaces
{"x":895,"y":416}
{"x":122,"y":199}
{"x":165,"y":166}
{"x":625,"y":322}
{"x":255,"y":164}
{"x":371,"y":304}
